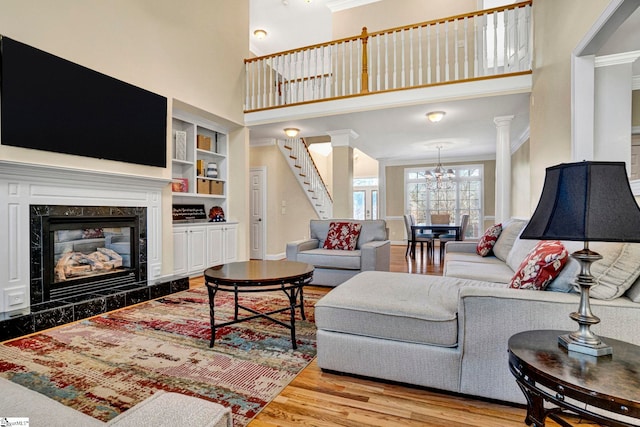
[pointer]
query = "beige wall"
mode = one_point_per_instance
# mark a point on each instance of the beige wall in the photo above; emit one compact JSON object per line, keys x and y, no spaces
{"x":555,"y":37}
{"x":282,"y":186}
{"x":395,"y":195}
{"x":363,"y":165}
{"x":395,"y":13}
{"x":192,"y":51}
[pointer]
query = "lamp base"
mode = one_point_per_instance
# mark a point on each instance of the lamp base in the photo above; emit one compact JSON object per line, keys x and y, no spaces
{"x":571,"y":344}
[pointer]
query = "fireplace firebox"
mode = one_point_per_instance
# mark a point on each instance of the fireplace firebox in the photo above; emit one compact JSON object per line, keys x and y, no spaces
{"x":80,"y":250}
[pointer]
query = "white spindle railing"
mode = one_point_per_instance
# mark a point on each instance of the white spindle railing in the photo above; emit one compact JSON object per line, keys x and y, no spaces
{"x":297,"y":155}
{"x":492,"y":42}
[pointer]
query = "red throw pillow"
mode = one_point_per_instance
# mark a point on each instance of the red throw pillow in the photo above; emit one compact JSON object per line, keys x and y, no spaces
{"x":343,"y":236}
{"x":488,"y":239}
{"x":541,"y":266}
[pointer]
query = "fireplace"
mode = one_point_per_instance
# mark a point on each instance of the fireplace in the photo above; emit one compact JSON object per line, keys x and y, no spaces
{"x":82,"y":249}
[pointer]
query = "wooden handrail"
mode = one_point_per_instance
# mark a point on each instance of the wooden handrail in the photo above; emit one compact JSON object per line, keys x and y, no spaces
{"x":391,"y":30}
{"x":453,"y":18}
{"x":440,"y":51}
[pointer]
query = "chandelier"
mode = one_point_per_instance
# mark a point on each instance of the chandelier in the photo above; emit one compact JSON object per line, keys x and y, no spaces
{"x":439,"y":178}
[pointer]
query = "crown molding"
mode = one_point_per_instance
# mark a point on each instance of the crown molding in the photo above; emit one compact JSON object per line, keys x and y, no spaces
{"x":617,"y":58}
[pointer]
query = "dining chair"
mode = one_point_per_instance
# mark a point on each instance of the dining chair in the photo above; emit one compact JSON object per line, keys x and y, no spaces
{"x":444,"y":238}
{"x":421,"y":238}
{"x":440,"y":218}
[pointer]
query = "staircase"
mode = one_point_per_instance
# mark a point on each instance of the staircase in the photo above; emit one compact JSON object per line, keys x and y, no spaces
{"x":304,"y":169}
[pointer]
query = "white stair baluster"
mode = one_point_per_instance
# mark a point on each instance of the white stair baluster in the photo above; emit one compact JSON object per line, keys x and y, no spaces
{"x":446,"y":51}
{"x":428,"y":54}
{"x":420,"y":29}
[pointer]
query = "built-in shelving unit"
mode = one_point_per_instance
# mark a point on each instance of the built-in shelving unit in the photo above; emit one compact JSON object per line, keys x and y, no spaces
{"x":199,"y":168}
{"x":199,"y":147}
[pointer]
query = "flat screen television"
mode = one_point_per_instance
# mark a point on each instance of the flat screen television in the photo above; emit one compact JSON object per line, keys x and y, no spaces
{"x":49,"y":103}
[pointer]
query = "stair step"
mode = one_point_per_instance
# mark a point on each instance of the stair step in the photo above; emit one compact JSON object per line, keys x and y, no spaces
{"x":293,"y":157}
{"x":287,"y":147}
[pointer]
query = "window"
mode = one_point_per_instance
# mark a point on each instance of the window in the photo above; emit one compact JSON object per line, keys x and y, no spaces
{"x":464,"y":196}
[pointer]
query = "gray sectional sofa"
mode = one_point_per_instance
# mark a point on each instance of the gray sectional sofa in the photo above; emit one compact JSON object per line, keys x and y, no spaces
{"x":451,"y":332}
{"x":332,"y":267}
{"x":161,"y":409}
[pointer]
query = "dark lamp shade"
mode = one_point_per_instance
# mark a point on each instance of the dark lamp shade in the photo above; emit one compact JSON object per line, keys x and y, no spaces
{"x":586,"y":201}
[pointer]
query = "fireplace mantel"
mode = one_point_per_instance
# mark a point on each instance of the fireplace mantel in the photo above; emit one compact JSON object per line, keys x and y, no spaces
{"x":24,"y":184}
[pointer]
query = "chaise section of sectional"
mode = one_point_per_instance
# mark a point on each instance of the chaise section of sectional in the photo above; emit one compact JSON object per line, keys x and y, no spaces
{"x":394,"y":326}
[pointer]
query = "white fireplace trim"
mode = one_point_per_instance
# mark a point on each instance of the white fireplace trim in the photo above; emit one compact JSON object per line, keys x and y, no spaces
{"x":23,"y":184}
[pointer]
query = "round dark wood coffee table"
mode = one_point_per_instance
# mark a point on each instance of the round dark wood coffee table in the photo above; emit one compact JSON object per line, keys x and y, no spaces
{"x":575,"y":382}
{"x":259,"y":276}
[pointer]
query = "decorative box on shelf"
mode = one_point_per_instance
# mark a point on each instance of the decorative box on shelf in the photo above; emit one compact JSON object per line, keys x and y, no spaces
{"x":216,"y":187}
{"x":204,"y":142}
{"x":203,"y":186}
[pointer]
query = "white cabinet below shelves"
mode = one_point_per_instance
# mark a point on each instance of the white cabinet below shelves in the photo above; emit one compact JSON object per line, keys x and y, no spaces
{"x":198,"y":247}
{"x":230,"y":243}
{"x":189,"y":250}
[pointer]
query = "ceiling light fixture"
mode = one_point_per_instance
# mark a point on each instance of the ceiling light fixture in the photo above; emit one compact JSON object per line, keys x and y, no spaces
{"x":291,"y":132}
{"x":435,"y":116}
{"x":439,"y":178}
{"x":260,"y":34}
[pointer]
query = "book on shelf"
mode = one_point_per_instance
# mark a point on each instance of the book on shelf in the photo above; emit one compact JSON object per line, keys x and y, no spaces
{"x":200,"y":167}
{"x":180,"y":185}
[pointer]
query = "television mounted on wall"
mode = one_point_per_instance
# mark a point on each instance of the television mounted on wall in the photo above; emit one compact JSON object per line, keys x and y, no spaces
{"x":51,"y":104}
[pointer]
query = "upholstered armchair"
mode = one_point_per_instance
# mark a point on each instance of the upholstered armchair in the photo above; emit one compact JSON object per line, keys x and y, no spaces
{"x":372,"y":251}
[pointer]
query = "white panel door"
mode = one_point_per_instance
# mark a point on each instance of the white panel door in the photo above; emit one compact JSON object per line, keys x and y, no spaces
{"x":257,"y":218}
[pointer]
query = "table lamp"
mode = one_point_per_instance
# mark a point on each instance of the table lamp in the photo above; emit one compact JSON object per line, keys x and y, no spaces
{"x":585,"y":201}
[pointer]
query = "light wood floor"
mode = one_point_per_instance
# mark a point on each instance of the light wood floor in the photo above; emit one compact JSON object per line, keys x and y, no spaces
{"x":317,"y":398}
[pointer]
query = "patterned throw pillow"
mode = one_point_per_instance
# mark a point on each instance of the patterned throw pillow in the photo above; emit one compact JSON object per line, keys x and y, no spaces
{"x":488,"y":239}
{"x":541,"y":266}
{"x":342,"y":236}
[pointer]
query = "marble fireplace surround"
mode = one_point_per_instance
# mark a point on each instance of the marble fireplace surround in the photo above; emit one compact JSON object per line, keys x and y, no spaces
{"x":23,"y":185}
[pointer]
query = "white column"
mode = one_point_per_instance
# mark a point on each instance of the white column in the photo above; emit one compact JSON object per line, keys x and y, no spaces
{"x":341,"y":142}
{"x":503,"y":168}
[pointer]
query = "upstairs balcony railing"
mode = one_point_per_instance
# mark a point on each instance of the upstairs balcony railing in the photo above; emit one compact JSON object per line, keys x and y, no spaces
{"x":483,"y":44}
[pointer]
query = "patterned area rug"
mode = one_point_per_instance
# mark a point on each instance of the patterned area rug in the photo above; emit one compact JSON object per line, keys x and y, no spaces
{"x":105,"y":365}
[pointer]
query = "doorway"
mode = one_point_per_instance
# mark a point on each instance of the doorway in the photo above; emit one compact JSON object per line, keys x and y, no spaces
{"x":257,"y":216}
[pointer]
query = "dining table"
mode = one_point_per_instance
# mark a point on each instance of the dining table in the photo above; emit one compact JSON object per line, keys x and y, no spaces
{"x":436,"y":230}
